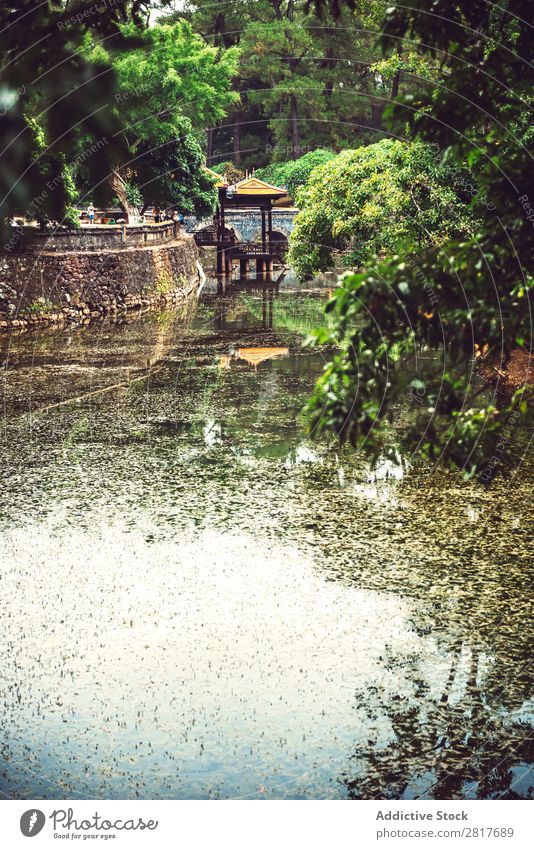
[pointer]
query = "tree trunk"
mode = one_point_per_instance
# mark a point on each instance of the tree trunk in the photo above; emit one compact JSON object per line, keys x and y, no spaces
{"x":294,"y":125}
{"x":377,"y":110}
{"x":117,"y":184}
{"x":237,"y":138}
{"x":329,"y":64}
{"x":395,"y":85}
{"x":209,"y":150}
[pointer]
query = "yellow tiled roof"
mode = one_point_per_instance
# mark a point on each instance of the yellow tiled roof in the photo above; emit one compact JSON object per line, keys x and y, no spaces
{"x":255,"y":186}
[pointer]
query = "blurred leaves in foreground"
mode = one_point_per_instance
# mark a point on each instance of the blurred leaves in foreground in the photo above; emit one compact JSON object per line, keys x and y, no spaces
{"x":468,"y":299}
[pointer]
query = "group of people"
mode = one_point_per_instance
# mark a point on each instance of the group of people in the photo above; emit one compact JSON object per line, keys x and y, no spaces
{"x":168,"y":215}
{"x":157,"y":215}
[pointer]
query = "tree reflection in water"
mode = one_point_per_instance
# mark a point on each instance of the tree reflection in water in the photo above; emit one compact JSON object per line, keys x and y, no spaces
{"x":450,"y":748}
{"x":462,"y":729}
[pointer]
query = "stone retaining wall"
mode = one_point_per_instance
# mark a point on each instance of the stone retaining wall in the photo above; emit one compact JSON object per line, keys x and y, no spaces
{"x":76,"y":285}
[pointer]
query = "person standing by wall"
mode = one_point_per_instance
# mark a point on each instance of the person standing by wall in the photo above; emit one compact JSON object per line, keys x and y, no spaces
{"x":91,"y":213}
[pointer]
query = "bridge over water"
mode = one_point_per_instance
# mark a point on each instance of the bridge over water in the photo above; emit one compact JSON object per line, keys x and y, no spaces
{"x":247,"y":223}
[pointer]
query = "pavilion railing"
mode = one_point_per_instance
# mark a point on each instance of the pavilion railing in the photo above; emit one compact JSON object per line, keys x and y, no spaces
{"x":209,"y":237}
{"x":257,"y":249}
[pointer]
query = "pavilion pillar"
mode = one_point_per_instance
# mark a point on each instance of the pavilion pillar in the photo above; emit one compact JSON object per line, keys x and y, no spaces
{"x":259,"y":266}
{"x":244,"y":266}
{"x":263,"y":230}
{"x":220,"y":259}
{"x":220,"y":231}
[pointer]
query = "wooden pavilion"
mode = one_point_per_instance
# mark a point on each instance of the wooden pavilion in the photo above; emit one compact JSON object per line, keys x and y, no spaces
{"x":250,"y":193}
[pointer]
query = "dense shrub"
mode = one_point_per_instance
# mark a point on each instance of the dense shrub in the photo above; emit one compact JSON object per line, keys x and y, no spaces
{"x":368,"y":201}
{"x":296,"y":172}
{"x":227,"y":169}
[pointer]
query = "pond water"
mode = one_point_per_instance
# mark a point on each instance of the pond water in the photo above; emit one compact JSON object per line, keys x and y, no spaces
{"x":197,"y":601}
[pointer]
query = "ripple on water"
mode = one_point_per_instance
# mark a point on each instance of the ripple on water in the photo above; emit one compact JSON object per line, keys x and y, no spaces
{"x":197,"y":602}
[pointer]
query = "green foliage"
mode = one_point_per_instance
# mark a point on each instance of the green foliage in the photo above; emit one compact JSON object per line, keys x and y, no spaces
{"x":221,"y":167}
{"x":229,"y":170}
{"x":280,"y":50}
{"x":133,"y":195}
{"x":164,"y":283}
{"x":294,"y":173}
{"x":135,"y":198}
{"x":305,"y":81}
{"x":402,"y":378}
{"x":98,"y":102}
{"x":42,"y":306}
{"x":172,"y":75}
{"x":172,"y":174}
{"x":368,"y":201}
{"x":462,"y":297}
{"x":71,"y":218}
{"x":42,"y":114}
{"x":173,"y":83}
{"x":481,"y":115}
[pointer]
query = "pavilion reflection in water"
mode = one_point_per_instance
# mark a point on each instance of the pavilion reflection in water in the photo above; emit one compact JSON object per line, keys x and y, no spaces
{"x":229,"y":292}
{"x":229,"y":289}
{"x":253,"y":356}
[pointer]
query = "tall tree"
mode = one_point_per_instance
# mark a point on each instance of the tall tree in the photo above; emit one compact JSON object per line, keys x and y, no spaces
{"x":174,"y":82}
{"x":305,"y":80}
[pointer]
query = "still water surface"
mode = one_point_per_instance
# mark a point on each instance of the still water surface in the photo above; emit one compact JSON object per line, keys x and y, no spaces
{"x":198,"y":602}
